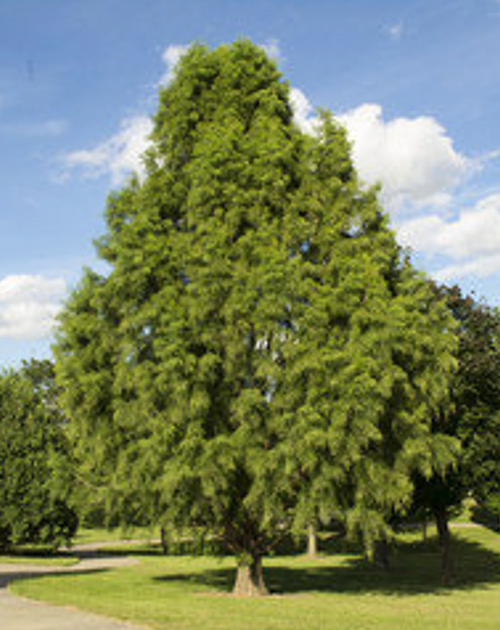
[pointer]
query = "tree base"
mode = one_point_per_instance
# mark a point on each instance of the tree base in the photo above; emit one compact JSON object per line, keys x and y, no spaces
{"x":447,"y":568}
{"x":250,"y":580}
{"x":312,"y":542}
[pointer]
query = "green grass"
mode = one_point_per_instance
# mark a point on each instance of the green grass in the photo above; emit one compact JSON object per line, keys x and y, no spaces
{"x":37,"y":557}
{"x":85,"y":536}
{"x":335,"y":592}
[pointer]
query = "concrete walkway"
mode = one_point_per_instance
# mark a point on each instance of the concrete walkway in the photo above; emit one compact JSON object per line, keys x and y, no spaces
{"x":17,"y":613}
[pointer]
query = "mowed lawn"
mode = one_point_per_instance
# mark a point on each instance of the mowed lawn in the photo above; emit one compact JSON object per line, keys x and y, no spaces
{"x":335,"y":592}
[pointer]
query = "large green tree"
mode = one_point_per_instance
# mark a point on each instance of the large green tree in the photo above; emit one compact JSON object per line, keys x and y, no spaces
{"x":34,"y":461}
{"x":260,"y":353}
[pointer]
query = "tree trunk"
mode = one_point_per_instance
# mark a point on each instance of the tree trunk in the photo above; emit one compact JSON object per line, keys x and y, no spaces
{"x":312,"y":542}
{"x":445,"y":542}
{"x":424,"y":530}
{"x":250,"y":578}
{"x":164,"y":541}
{"x":381,"y":555}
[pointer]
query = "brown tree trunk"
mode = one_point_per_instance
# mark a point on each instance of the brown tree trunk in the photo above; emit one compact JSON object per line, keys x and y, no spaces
{"x":381,"y":555}
{"x":424,"y":530}
{"x":312,"y":542}
{"x":250,"y":578}
{"x":445,"y":542}
{"x":164,"y":541}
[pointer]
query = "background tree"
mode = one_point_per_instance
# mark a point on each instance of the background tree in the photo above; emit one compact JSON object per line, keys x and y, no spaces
{"x":477,"y":397}
{"x":34,"y":463}
{"x":474,"y":420}
{"x":259,"y":352}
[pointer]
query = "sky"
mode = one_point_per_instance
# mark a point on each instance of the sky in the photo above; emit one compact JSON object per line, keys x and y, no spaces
{"x":415,"y":82}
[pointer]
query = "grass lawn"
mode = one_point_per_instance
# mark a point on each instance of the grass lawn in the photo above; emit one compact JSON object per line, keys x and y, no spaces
{"x":37,"y":555}
{"x":335,"y":592}
{"x":85,"y":536}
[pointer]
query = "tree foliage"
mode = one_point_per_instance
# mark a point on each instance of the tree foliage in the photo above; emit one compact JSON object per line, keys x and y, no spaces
{"x":260,"y":353}
{"x":34,"y":464}
{"x":474,"y":420}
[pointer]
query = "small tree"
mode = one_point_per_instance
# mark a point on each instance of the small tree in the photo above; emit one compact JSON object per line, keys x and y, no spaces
{"x":259,"y":352}
{"x":34,"y":462}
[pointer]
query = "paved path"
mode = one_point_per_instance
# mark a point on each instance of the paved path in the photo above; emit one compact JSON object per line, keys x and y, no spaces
{"x":17,"y":613}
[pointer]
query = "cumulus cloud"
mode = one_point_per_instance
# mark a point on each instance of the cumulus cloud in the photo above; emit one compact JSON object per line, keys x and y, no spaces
{"x":419,"y":170}
{"x":119,"y":155}
{"x":471,"y":240}
{"x":481,"y":267}
{"x":28,"y":305}
{"x":171,"y":57}
{"x":476,"y":231}
{"x":303,"y":112}
{"x":413,"y":158}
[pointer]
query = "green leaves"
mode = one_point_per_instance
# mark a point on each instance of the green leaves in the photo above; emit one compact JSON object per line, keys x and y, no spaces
{"x":34,"y":461}
{"x":259,"y":352}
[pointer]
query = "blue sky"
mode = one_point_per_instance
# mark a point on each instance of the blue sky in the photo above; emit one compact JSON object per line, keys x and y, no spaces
{"x":417,"y":84}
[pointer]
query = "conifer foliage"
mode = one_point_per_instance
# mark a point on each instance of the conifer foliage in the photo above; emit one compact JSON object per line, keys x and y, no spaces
{"x":260,"y":355}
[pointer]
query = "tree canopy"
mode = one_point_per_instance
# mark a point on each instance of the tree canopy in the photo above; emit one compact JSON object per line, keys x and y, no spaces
{"x":261,"y":354}
{"x":34,"y":464}
{"x":475,"y":405}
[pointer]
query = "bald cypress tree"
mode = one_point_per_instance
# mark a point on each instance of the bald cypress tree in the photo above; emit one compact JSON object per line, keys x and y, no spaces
{"x":261,"y":352}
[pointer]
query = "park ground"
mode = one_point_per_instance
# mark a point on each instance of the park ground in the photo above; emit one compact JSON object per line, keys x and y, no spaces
{"x":335,"y":591}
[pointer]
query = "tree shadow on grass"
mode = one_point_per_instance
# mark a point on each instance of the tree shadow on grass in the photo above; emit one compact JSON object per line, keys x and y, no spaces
{"x":7,"y":578}
{"x":416,"y":569}
{"x":486,"y":518}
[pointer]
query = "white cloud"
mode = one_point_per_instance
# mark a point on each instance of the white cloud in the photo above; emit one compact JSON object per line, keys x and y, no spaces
{"x":419,"y":170}
{"x":122,"y":153}
{"x":472,"y":240}
{"x":119,"y":155}
{"x":481,"y":267}
{"x":303,"y":112}
{"x":28,"y":305}
{"x":171,"y":57}
{"x":413,"y":158}
{"x":272,"y":48}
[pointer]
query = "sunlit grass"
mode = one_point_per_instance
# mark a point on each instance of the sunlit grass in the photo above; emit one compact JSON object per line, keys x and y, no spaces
{"x":89,"y":536}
